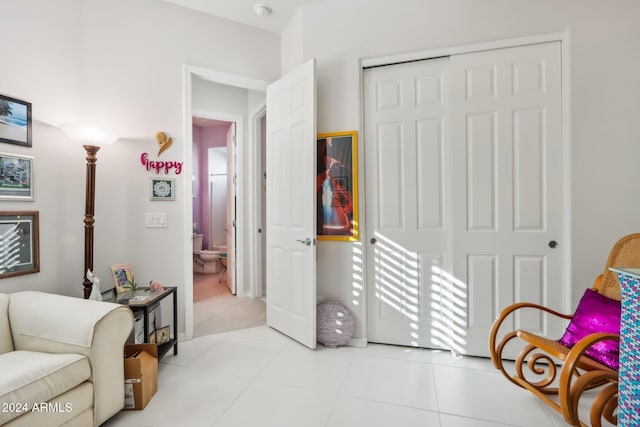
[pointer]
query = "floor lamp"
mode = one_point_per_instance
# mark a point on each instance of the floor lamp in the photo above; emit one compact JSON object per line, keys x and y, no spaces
{"x":92,"y":139}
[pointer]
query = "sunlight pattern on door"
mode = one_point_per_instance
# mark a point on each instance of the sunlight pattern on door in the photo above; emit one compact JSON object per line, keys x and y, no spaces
{"x":426,"y":305}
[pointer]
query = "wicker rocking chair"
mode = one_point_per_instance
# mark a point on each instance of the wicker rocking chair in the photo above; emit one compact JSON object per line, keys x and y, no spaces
{"x":558,"y":374}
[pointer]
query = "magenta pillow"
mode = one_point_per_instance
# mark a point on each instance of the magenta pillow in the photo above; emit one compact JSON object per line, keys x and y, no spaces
{"x":595,"y":313}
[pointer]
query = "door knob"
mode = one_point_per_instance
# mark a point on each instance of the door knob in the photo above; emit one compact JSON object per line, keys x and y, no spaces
{"x":553,"y":244}
{"x":306,"y":241}
{"x":373,"y":240}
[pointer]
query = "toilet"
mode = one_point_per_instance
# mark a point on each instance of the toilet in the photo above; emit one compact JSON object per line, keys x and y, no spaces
{"x":204,"y":261}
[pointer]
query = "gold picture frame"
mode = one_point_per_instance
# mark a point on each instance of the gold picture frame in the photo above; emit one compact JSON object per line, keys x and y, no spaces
{"x":122,"y":275}
{"x":337,"y":186}
{"x":163,"y":335}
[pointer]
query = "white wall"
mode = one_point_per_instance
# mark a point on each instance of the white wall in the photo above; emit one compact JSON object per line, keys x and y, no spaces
{"x":118,"y":64}
{"x":604,"y":39}
{"x":291,"y":43}
{"x":40,"y":64}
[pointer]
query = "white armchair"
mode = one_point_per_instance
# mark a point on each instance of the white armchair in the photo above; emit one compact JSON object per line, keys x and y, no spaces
{"x":61,"y":359}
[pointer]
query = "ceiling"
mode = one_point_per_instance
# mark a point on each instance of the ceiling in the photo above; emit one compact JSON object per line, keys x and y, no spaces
{"x":242,"y":11}
{"x":207,"y":123}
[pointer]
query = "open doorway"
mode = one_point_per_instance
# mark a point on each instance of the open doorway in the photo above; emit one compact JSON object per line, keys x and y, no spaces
{"x":213,"y":201}
{"x":217,"y":308}
{"x":224,"y":98}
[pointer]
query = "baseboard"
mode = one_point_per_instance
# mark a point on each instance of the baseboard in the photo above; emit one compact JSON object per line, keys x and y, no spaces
{"x":357,"y":342}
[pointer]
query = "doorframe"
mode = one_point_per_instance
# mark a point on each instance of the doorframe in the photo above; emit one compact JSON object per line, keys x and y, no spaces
{"x":257,"y":254}
{"x":565,"y":42}
{"x":246,"y":234}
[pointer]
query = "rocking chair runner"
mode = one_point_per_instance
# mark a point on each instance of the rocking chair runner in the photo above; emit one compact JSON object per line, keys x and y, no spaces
{"x":541,"y":359}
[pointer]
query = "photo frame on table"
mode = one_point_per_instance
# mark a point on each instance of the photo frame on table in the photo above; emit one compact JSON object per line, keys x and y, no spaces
{"x":163,"y":189}
{"x":16,"y":177}
{"x":337,"y":186}
{"x":15,"y":121}
{"x":20,"y":238}
{"x":163,"y":335}
{"x":122,"y":275}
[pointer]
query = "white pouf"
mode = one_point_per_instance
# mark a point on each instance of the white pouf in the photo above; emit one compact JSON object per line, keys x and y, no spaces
{"x":334,"y":324}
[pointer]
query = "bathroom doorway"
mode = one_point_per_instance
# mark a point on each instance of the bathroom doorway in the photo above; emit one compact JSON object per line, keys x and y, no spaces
{"x":220,"y":96}
{"x":214,"y":201}
{"x":217,"y":307}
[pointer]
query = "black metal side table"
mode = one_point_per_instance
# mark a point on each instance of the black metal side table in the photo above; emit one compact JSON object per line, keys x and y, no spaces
{"x":145,"y":300}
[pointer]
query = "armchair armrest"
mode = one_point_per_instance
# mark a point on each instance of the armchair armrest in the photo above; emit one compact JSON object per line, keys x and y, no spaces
{"x":61,"y":324}
{"x":496,"y":347}
{"x":573,"y":383}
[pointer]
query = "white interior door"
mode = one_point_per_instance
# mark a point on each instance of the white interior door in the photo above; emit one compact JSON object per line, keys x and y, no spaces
{"x":507,"y":139}
{"x":291,"y":205}
{"x":408,"y":202}
{"x":231,"y":208}
{"x":217,"y":196}
{"x":464,"y":195}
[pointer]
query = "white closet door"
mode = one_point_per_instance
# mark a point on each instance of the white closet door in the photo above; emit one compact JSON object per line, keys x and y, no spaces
{"x":507,"y":141}
{"x":407,"y":202}
{"x":464,"y":195}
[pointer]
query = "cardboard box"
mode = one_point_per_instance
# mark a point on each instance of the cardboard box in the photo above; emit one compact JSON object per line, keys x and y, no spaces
{"x":141,"y":374}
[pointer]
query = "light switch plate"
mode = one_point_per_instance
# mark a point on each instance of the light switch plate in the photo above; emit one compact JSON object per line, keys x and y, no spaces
{"x":155,"y":219}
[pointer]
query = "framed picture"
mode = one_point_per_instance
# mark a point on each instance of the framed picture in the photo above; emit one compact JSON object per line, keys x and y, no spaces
{"x":19,"y":239}
{"x":122,"y":275}
{"x":162,"y":189}
{"x":337,"y":186}
{"x":16,"y":177}
{"x":15,"y":121}
{"x":163,"y":335}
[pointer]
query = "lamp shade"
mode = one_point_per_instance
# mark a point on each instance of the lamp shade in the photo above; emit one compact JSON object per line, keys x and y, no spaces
{"x":89,"y":135}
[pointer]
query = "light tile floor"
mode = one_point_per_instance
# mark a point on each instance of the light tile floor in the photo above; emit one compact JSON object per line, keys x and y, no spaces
{"x":259,"y":377}
{"x":216,"y":310}
{"x":234,"y":373}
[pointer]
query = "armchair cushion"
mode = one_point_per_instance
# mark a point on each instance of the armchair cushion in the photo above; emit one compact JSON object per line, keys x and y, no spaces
{"x":28,"y":378}
{"x":595,"y":313}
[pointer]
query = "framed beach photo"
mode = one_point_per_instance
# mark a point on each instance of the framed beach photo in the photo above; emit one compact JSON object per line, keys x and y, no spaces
{"x":163,"y":189}
{"x":15,"y":121}
{"x":16,"y":177}
{"x":337,"y":186}
{"x":19,"y":238}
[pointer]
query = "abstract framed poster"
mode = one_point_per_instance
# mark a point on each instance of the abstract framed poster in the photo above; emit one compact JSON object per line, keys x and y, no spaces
{"x":337,"y":186}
